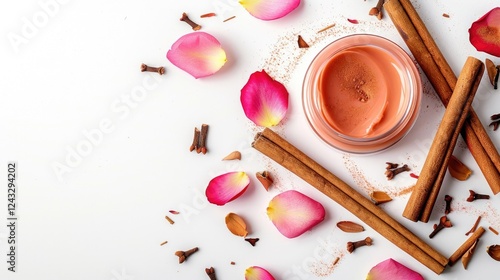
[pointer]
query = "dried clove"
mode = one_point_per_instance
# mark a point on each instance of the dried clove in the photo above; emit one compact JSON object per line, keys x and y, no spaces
{"x":147,"y":68}
{"x":495,"y":121}
{"x":377,"y":10}
{"x":391,"y":165}
{"x":351,"y":246}
{"x":193,"y":25}
{"x":183,"y":255}
{"x":447,"y":208}
{"x":443,"y":223}
{"x":196,"y":140}
{"x":252,"y":241}
{"x":211,"y":273}
{"x":473,"y":196}
{"x":202,"y":148}
{"x":391,"y":173}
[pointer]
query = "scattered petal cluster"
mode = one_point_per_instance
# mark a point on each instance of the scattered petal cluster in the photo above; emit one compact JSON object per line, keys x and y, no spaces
{"x":484,"y":34}
{"x":269,"y":9}
{"x":227,"y":187}
{"x":294,"y":213}
{"x":257,"y":273}
{"x":264,"y":100}
{"x":391,"y":269}
{"x":198,"y":53}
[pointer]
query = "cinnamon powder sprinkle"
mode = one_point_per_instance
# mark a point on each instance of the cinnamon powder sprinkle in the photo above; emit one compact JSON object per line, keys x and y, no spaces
{"x":229,"y":18}
{"x":493,"y":230}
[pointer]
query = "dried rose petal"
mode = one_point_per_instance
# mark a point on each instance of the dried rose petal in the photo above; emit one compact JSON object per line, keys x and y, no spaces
{"x":227,"y":187}
{"x":353,"y":21}
{"x":198,"y":53}
{"x":264,"y":100}
{"x":484,"y":34}
{"x":294,"y":213}
{"x":391,"y":269}
{"x":269,"y":9}
{"x":257,"y":273}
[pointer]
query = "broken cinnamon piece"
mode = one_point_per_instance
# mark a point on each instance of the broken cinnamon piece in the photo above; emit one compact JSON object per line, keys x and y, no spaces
{"x":302,"y":43}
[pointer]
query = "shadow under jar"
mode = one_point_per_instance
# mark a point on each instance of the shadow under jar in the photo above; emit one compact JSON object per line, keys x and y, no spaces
{"x":362,"y":93}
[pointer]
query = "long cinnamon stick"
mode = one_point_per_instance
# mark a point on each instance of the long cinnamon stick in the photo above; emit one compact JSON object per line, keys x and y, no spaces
{"x":426,"y":189}
{"x":434,"y":65}
{"x":278,"y":149}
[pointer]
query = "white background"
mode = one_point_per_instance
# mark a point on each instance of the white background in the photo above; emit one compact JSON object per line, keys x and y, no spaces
{"x":70,"y":70}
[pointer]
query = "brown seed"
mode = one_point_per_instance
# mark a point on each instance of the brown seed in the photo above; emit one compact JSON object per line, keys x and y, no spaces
{"x":236,"y":225}
{"x":302,"y":43}
{"x":494,"y":252}
{"x":265,"y":179}
{"x":458,"y":170}
{"x":233,"y":155}
{"x":379,"y":197}
{"x":348,"y":226}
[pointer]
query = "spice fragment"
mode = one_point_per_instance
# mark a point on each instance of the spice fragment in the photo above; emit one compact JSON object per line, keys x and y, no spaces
{"x":468,"y":255}
{"x":208,"y":15}
{"x":163,"y":243}
{"x":447,"y":208}
{"x":493,"y":72}
{"x":265,"y":179}
{"x":495,"y":121}
{"x":494,"y":252}
{"x":233,"y":155}
{"x":169,"y":220}
{"x":379,"y":197}
{"x":229,"y":18}
{"x":326,"y":28}
{"x":391,"y":173}
{"x":252,"y":241}
{"x":493,"y":230}
{"x":302,"y":43}
{"x":377,"y":10}
{"x":474,"y":226}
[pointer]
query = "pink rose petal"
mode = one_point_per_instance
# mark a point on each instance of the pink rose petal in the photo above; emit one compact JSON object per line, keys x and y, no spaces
{"x":269,"y":9}
{"x":257,"y":273}
{"x":264,"y":100}
{"x":227,"y":187}
{"x":391,"y":269}
{"x":484,"y":34}
{"x":198,"y":53}
{"x":294,"y":213}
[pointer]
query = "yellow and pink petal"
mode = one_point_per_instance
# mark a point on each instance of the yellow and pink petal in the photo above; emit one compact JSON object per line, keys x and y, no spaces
{"x":269,"y":9}
{"x":484,"y":34}
{"x":294,"y":213}
{"x":391,"y":269}
{"x":198,"y":53}
{"x":227,"y":187}
{"x":257,"y":273}
{"x":264,"y":100}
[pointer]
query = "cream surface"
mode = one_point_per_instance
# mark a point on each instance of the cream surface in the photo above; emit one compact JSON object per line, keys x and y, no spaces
{"x":360,"y":91}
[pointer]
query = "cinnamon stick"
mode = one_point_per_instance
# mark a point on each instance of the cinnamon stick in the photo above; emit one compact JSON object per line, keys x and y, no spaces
{"x":426,"y":189}
{"x":440,"y":75}
{"x":278,"y":149}
{"x":466,"y":245}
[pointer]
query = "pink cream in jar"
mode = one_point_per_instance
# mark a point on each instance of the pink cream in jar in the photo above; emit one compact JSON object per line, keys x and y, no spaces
{"x":362,"y":93}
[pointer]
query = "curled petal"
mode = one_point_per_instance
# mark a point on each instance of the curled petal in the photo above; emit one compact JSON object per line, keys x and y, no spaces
{"x":484,"y":34}
{"x":294,"y":213}
{"x":264,"y":100}
{"x":257,"y":273}
{"x":227,"y":187}
{"x":391,"y":269}
{"x":198,"y":53}
{"x":269,"y":9}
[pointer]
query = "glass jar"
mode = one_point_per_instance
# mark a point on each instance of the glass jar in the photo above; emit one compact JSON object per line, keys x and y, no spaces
{"x":362,"y":93}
